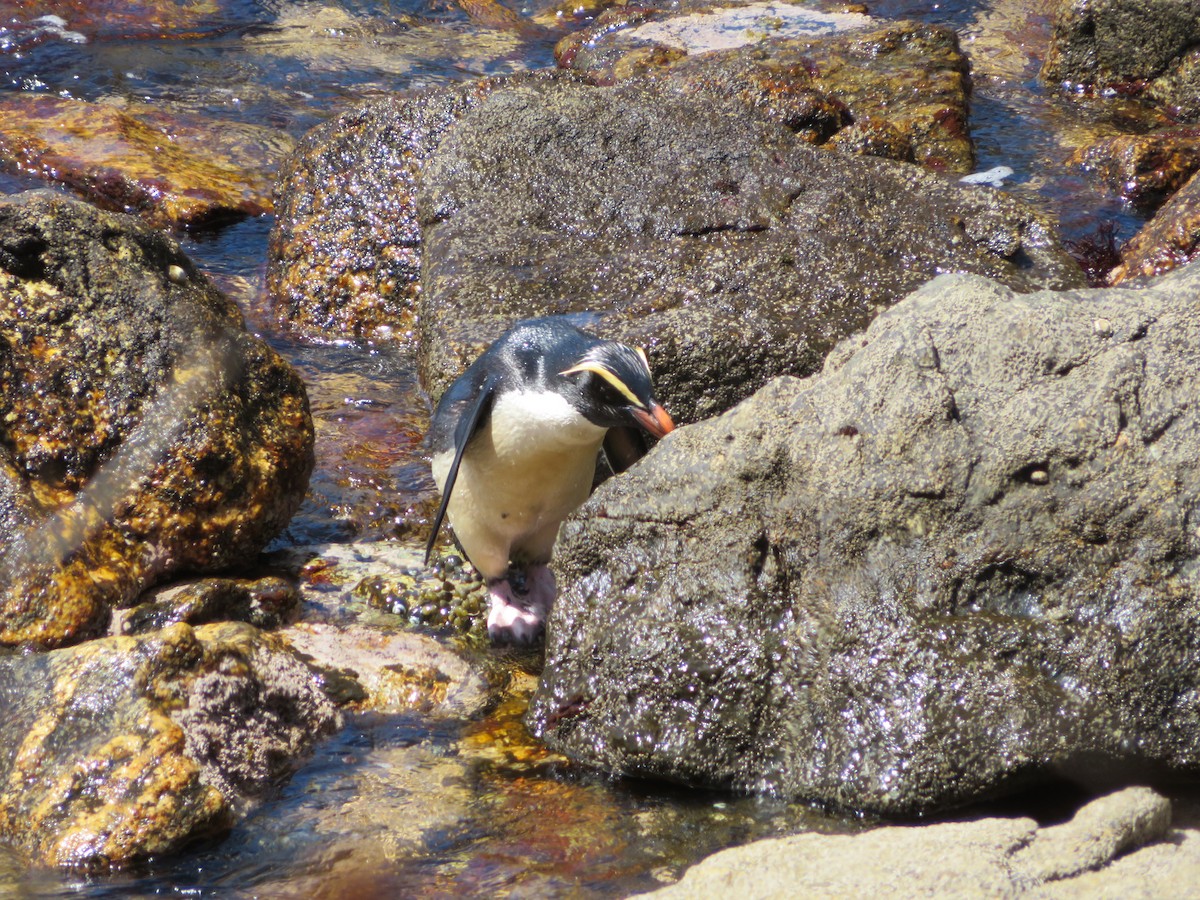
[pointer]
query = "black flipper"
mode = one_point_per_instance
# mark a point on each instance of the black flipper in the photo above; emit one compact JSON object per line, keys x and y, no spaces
{"x":467,"y":425}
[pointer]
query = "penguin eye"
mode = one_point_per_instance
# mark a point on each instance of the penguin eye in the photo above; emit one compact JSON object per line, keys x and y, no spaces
{"x":606,"y":393}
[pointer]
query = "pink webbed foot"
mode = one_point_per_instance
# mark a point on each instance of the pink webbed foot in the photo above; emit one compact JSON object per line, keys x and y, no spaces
{"x":518,"y":616}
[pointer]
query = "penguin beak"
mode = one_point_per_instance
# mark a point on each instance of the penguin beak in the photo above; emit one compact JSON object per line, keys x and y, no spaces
{"x":655,"y":420}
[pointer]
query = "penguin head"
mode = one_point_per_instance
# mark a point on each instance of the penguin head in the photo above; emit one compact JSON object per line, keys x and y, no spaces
{"x":610,"y":386}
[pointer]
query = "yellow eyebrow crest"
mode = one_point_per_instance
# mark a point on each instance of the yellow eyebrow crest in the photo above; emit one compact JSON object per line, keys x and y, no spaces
{"x":607,"y":375}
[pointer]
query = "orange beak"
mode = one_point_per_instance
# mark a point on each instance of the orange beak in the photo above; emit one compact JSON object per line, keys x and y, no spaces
{"x":655,"y":420}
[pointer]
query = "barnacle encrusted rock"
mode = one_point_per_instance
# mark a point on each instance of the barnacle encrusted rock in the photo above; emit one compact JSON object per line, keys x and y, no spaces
{"x":962,"y":559}
{"x":128,"y":747}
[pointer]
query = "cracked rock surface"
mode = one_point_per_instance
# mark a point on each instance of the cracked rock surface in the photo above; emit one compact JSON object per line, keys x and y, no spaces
{"x":961,"y":559}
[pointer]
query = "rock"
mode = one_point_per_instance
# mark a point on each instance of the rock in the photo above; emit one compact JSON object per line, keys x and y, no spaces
{"x":959,"y":560}
{"x":172,"y":168}
{"x":723,"y":243}
{"x":401,"y":671}
{"x":349,"y":253}
{"x":345,"y":250}
{"x":1145,"y":168}
{"x":263,"y":602}
{"x":1097,"y":834}
{"x":989,"y":857}
{"x":78,"y":21}
{"x":1128,"y":46}
{"x":904,"y":84}
{"x":129,"y":747}
{"x":384,"y":666}
{"x":341,"y":582}
{"x":145,"y":433}
{"x":1167,"y":241}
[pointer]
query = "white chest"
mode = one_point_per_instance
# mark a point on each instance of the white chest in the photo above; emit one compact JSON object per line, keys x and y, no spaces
{"x":528,"y":467}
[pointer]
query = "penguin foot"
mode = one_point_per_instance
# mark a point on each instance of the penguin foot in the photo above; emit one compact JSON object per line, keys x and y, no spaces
{"x":512,"y":620}
{"x":518,"y":613}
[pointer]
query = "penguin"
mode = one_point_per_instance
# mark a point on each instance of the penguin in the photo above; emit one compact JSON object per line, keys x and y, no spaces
{"x":514,"y":443}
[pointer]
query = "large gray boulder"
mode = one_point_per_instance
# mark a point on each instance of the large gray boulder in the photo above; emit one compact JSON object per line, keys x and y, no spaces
{"x":962,"y":558}
{"x":1133,"y":46}
{"x":722,"y":242}
{"x":668,"y":211}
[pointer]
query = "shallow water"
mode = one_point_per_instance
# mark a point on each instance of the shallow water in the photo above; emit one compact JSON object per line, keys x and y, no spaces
{"x":513,"y":822}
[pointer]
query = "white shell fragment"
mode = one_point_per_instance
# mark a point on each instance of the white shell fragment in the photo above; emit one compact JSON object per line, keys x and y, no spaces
{"x":993,"y":177}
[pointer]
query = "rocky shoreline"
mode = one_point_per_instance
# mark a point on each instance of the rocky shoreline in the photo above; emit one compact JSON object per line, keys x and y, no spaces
{"x":928,"y":537}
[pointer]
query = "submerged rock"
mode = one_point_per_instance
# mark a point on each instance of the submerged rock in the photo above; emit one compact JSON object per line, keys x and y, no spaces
{"x":143,"y":432}
{"x":174,"y":169}
{"x":961,"y":559}
{"x":994,"y":857}
{"x":263,"y":602}
{"x":129,"y":747}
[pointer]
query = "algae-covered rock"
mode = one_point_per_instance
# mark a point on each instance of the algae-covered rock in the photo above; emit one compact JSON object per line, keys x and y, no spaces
{"x":1169,"y":240}
{"x":172,"y":168}
{"x":129,"y":747}
{"x":1145,"y":168}
{"x":910,"y":76}
{"x":143,"y":432}
{"x":961,"y":559}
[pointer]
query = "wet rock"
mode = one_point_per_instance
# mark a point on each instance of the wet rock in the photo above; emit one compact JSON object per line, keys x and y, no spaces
{"x":264,"y":602}
{"x":959,"y":560}
{"x":341,"y":583}
{"x":723,"y":243}
{"x":1145,"y":168}
{"x":346,"y":254}
{"x":1128,"y":46}
{"x":1167,"y":241}
{"x":907,"y":80}
{"x":400,"y":671}
{"x":81,"y":20}
{"x":345,"y":251}
{"x":129,"y":747}
{"x":172,"y":168}
{"x":988,"y":857}
{"x":145,"y":434}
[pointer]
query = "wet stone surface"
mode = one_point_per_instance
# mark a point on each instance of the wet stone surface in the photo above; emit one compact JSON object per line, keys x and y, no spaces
{"x":128,"y":747}
{"x":958,"y":561}
{"x":906,"y":79}
{"x":145,"y":432}
{"x":172,"y":168}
